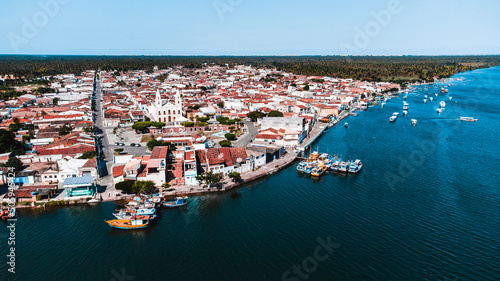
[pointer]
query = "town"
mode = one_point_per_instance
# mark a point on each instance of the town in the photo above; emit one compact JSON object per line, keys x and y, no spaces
{"x":91,"y":136}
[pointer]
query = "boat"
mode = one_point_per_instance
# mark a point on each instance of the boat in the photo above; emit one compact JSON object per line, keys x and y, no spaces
{"x":442,"y":104}
{"x":8,"y":214}
{"x":442,"y":90}
{"x":430,"y":98}
{"x":414,"y":121}
{"x":405,"y":107}
{"x":468,"y":119}
{"x":425,"y":100}
{"x":393,"y":118}
{"x":382,"y":104}
{"x":346,"y":124}
{"x":450,"y":98}
{"x":355,"y":166}
{"x":147,"y":212}
{"x":179,"y":201}
{"x":343,"y":167}
{"x":405,"y":112}
{"x":425,"y":96}
{"x":122,"y":213}
{"x":134,"y":222}
{"x":395,"y":114}
{"x":439,"y":110}
{"x":301,"y":166}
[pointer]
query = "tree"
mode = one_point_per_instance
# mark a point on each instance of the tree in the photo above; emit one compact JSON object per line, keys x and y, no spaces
{"x":65,"y":129}
{"x":275,"y":113}
{"x":14,"y":163}
{"x":202,"y":119}
{"x":165,"y":185}
{"x":210,"y":178}
{"x":225,"y":143}
{"x":187,"y":124}
{"x":230,"y":136}
{"x":158,"y":124}
{"x":220,"y":104}
{"x":118,"y":150}
{"x":254,"y":115}
{"x":8,"y":143}
{"x":363,"y":96}
{"x":88,"y":129}
{"x":55,"y":101}
{"x":88,"y":155}
{"x":234,"y":176}
{"x":147,"y":187}
{"x":141,"y":126}
{"x":126,"y":186}
{"x":154,"y":142}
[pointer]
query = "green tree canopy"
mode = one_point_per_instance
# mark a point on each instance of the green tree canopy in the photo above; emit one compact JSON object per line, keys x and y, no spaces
{"x":225,"y":143}
{"x":15,"y":163}
{"x":65,"y":129}
{"x":275,"y":113}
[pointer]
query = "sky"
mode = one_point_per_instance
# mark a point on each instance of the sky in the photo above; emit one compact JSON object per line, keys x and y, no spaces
{"x":250,"y":27}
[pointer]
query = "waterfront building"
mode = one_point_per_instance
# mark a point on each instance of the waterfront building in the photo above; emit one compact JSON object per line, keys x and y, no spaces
{"x":79,"y":186}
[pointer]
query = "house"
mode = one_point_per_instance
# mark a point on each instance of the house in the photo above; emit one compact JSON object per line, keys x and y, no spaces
{"x":26,"y":177}
{"x":79,"y":187}
{"x":156,"y":166}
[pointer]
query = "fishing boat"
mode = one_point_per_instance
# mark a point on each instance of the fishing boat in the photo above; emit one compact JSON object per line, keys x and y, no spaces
{"x":122,"y":213}
{"x":393,"y":118}
{"x":318,"y":171}
{"x":468,"y":119}
{"x":405,"y":112}
{"x":414,"y":121}
{"x":147,"y":212}
{"x":6,"y":214}
{"x":344,"y":167}
{"x":355,"y":166}
{"x":134,"y":222}
{"x":179,"y":201}
{"x":301,"y":166}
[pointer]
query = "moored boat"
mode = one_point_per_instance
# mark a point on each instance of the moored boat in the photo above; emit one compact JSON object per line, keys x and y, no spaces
{"x":135,"y":222}
{"x":414,"y":121}
{"x":393,"y":118}
{"x":344,"y":167}
{"x":468,"y":119}
{"x":179,"y":201}
{"x":355,"y":166}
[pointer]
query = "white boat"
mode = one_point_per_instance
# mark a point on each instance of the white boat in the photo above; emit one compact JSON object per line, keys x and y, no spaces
{"x":395,"y":114}
{"x":450,"y":98}
{"x":436,"y":94}
{"x":393,"y":118}
{"x":425,"y":100}
{"x":405,"y":112}
{"x":430,"y":98}
{"x":346,"y":124}
{"x":439,"y":110}
{"x":405,"y":107}
{"x":425,"y":96}
{"x":383,"y":104}
{"x":468,"y":119}
{"x":414,"y":121}
{"x":442,"y":104}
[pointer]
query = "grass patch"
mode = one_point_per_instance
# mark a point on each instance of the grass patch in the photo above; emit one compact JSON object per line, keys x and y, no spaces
{"x":146,"y":138}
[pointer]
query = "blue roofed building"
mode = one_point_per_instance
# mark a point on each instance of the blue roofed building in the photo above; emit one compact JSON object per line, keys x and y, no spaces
{"x":79,"y":186}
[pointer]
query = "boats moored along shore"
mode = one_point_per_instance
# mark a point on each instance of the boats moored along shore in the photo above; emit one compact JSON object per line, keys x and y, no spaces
{"x":134,"y":222}
{"x":179,"y":201}
{"x":317,"y":164}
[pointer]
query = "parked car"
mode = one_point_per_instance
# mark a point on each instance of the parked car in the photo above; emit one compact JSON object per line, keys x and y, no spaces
{"x":132,"y":144}
{"x":122,"y":144}
{"x":137,"y":144}
{"x":117,"y":143}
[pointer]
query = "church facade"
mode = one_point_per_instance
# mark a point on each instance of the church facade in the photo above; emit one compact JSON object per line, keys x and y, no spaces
{"x":167,"y":111}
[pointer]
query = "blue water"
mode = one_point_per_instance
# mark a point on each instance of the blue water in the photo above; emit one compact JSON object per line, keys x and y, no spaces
{"x":426,"y":206}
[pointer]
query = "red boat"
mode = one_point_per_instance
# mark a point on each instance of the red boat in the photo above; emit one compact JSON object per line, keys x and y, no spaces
{"x":5,"y":215}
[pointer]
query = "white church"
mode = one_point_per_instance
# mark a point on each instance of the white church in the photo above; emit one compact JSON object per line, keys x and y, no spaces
{"x":167,"y":112}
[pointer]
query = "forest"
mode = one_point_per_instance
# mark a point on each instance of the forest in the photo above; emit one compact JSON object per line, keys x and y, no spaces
{"x":373,"y":68}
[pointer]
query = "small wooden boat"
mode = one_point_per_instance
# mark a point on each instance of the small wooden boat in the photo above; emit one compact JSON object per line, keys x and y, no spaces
{"x":179,"y":201}
{"x":5,"y":215}
{"x":135,"y":222}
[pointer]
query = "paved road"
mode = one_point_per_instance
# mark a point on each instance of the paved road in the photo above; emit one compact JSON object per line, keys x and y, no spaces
{"x":244,"y":140}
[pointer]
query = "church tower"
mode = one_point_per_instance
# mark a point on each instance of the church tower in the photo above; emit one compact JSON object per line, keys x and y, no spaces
{"x":178,"y":99}
{"x":158,"y":100}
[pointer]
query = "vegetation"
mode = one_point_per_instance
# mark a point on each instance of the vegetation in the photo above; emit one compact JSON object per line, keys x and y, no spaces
{"x":139,"y":127}
{"x":210,"y":178}
{"x":88,"y":155}
{"x":187,"y":124}
{"x":202,"y":119}
{"x":154,"y":142}
{"x":234,"y":176}
{"x":226,"y":120}
{"x":14,"y":163}
{"x":230,"y":136}
{"x":27,"y":68}
{"x":118,"y":150}
{"x":225,"y":143}
{"x":220,"y":104}
{"x":254,"y":115}
{"x":134,"y":187}
{"x":8,"y":143}
{"x":65,"y":129}
{"x":275,"y":113}
{"x":158,"y":124}
{"x":165,"y":185}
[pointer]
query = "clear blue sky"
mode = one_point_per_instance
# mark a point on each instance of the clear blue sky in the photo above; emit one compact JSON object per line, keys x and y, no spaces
{"x":249,"y":27}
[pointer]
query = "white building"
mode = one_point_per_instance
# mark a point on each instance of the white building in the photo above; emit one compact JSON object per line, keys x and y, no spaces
{"x":166,"y":112}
